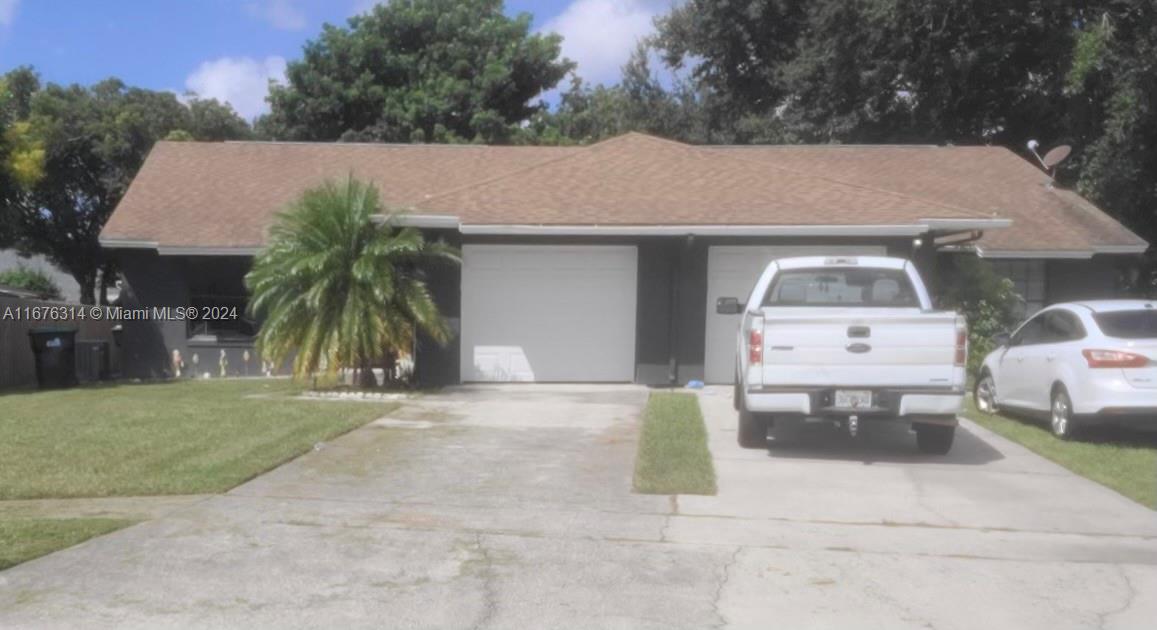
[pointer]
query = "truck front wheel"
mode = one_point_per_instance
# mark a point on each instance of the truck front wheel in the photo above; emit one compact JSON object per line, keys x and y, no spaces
{"x":934,"y":439}
{"x":752,"y":429}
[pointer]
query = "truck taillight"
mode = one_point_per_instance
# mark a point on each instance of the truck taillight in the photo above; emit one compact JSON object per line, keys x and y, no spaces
{"x":1114,"y":359}
{"x":755,"y":346}
{"x":961,"y":343}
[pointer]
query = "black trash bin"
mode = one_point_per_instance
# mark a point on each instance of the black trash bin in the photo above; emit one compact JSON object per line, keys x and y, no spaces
{"x":55,"y":352}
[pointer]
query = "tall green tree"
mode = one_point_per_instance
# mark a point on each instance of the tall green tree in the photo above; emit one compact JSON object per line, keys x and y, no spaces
{"x":962,"y":71}
{"x":639,"y":102}
{"x":1112,"y":83}
{"x":334,"y":288}
{"x":418,"y":71}
{"x":69,"y":155}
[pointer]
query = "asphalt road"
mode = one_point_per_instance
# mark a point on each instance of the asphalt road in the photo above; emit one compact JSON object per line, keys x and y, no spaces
{"x":510,"y":507}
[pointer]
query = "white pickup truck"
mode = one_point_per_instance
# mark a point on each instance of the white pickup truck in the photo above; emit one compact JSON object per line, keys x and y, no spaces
{"x":848,"y":340}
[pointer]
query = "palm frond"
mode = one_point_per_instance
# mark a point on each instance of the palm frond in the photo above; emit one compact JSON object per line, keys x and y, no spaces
{"x":333,"y":288}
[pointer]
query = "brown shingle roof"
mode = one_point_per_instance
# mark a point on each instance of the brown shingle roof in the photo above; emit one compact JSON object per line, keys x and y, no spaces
{"x":987,"y":179}
{"x":225,"y":195}
{"x":636,"y":179}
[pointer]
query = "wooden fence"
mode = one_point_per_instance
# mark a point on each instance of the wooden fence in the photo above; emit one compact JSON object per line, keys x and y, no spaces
{"x":18,"y":316}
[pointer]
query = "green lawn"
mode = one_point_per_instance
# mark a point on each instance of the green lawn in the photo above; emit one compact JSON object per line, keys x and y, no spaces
{"x":673,"y":456}
{"x":168,"y":438}
{"x":24,"y":539}
{"x":1122,"y":460}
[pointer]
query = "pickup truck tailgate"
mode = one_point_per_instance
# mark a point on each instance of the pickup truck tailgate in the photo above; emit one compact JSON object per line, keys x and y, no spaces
{"x":871,"y":346}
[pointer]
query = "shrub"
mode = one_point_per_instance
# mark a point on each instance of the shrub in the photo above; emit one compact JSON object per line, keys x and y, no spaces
{"x":989,"y":302}
{"x":30,"y":279}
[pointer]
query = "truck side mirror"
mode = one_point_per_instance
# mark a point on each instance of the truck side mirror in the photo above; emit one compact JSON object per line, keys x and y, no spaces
{"x":1001,"y":339}
{"x":728,"y":306}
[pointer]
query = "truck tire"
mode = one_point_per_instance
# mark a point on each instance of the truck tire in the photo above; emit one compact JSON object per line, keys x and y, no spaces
{"x":934,"y":439}
{"x":752,"y":429}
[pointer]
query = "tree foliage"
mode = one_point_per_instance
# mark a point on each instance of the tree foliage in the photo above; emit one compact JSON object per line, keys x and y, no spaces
{"x":29,"y":279}
{"x":1112,"y":85}
{"x":418,"y":71}
{"x":334,"y":289}
{"x":69,"y":153}
{"x":989,"y":302}
{"x":639,"y":102}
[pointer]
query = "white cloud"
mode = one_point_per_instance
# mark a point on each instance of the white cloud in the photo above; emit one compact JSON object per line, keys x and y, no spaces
{"x":7,"y":12}
{"x":599,"y":35}
{"x":243,"y":82}
{"x":283,"y":15}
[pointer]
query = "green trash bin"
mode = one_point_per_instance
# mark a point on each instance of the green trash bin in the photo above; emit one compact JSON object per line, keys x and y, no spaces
{"x":55,"y":351}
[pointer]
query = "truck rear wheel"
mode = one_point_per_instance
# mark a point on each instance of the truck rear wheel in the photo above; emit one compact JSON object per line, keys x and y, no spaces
{"x":934,"y":439}
{"x":752,"y":429}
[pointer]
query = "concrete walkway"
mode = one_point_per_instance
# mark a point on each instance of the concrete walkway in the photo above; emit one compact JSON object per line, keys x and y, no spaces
{"x":510,"y":507}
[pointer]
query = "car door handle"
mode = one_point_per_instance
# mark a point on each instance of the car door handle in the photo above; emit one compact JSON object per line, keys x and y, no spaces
{"x":1051,"y":358}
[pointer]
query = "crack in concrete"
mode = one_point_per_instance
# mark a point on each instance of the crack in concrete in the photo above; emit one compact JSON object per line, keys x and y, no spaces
{"x":489,"y":592}
{"x":731,"y":517}
{"x":674,"y":502}
{"x":1130,"y":598}
{"x":723,"y":579}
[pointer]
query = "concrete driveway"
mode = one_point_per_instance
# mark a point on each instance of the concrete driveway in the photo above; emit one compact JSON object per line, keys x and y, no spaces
{"x":510,"y":507}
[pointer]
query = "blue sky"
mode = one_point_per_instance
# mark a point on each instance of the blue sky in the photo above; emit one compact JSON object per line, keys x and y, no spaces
{"x":227,"y":49}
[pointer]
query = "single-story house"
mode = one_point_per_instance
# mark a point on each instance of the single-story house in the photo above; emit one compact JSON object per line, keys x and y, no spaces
{"x":599,"y":262}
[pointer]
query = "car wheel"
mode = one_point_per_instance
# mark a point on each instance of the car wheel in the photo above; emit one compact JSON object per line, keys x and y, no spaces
{"x":984,"y":395}
{"x":934,"y":439}
{"x":1061,"y":419}
{"x":752,"y":429}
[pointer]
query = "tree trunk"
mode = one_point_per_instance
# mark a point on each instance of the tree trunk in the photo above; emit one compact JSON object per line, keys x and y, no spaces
{"x":391,"y":367}
{"x":87,"y":281}
{"x":365,"y":377}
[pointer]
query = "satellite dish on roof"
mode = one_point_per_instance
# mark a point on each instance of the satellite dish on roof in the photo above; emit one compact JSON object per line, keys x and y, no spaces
{"x":1055,"y":156}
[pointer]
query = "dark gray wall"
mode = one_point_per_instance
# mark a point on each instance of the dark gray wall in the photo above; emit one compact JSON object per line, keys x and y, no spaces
{"x":436,"y":364}
{"x":1069,"y":280}
{"x":152,"y":280}
{"x":669,"y":341}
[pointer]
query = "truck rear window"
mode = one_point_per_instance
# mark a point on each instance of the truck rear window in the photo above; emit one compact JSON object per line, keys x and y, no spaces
{"x":1128,"y":324}
{"x":841,"y":286}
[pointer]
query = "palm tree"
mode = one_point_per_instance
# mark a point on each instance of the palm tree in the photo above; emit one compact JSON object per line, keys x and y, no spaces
{"x":335,"y":288}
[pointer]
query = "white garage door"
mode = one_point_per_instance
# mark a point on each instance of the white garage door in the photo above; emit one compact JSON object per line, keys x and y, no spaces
{"x":548,"y":313}
{"x":731,"y":272}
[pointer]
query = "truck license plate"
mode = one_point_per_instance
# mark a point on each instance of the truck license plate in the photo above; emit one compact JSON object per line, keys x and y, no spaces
{"x":853,"y":398}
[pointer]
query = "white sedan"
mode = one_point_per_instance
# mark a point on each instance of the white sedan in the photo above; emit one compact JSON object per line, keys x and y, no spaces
{"x":1080,"y":363}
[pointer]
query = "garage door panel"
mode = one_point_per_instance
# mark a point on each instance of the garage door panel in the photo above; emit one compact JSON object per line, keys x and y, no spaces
{"x":731,"y":272}
{"x":548,"y":313}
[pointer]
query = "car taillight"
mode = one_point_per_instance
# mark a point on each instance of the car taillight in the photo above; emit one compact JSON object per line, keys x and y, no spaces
{"x":1114,"y":359}
{"x":755,"y":346}
{"x":961,"y":357}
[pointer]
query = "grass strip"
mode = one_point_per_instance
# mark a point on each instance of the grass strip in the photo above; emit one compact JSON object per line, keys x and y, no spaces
{"x":673,"y":457}
{"x":22,"y":540}
{"x":1125,"y":461}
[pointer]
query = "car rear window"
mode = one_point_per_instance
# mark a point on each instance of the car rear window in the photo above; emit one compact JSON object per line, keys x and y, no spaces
{"x":841,"y":286}
{"x":1128,"y":324}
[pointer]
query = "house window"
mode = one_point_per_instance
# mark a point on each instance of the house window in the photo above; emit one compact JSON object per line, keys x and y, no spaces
{"x":1028,"y":276}
{"x":217,"y":291}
